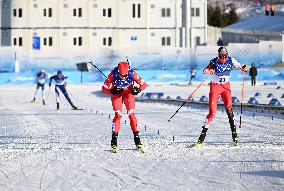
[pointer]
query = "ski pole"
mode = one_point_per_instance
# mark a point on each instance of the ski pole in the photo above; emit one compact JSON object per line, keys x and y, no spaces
{"x":48,"y":93}
{"x":243,"y":87}
{"x":190,"y":95}
{"x":97,"y":68}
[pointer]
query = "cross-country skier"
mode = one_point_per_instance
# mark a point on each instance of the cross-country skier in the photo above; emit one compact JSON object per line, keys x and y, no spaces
{"x":220,"y":68}
{"x":40,"y":79}
{"x":60,"y":83}
{"x":120,"y":85}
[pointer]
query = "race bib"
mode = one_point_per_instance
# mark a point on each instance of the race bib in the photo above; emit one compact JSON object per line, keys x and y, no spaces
{"x":220,"y":79}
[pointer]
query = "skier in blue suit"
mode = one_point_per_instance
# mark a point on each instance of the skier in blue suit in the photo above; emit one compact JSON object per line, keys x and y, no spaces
{"x":60,"y":83}
{"x":40,"y":79}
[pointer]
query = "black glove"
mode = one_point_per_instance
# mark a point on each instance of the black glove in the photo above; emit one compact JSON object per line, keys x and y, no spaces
{"x":49,"y":85}
{"x":116,"y":90}
{"x":135,"y":91}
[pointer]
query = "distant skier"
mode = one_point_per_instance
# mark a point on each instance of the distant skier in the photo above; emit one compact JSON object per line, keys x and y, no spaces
{"x":60,"y":83}
{"x":192,"y":75}
{"x":120,"y":85}
{"x":40,"y":79}
{"x":220,"y":68}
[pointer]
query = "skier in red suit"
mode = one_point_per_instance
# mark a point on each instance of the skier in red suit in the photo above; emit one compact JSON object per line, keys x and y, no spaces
{"x":120,"y":85}
{"x":220,"y":69}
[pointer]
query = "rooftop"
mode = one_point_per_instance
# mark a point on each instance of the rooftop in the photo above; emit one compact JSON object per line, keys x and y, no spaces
{"x":260,"y":23}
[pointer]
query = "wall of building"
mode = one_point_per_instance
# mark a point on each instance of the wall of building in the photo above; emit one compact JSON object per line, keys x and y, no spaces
{"x":5,"y":22}
{"x":283,"y":47}
{"x":213,"y":35}
{"x":71,"y":30}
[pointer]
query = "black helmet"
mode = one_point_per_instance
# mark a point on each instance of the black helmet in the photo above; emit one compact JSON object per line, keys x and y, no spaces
{"x":59,"y":72}
{"x":222,"y":50}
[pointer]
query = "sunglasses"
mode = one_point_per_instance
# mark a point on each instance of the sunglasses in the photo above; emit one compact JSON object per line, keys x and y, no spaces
{"x":123,"y":76}
{"x":223,"y":56}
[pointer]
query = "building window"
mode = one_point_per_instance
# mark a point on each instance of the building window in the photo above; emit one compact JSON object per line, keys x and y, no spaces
{"x":79,"y":40}
{"x":133,"y":10}
{"x":197,"y":40}
{"x":14,"y":12}
{"x":20,"y":12}
{"x":138,"y":10}
{"x":65,"y":5}
{"x":197,"y":12}
{"x":107,"y":41}
{"x":74,"y":41}
{"x":166,"y":12}
{"x":49,"y":41}
{"x":80,"y":12}
{"x":152,"y":6}
{"x":104,"y":41}
{"x":166,"y":41}
{"x":163,"y":12}
{"x":19,"y":40}
{"x":49,"y":12}
{"x":107,"y":12}
{"x":15,"y":41}
{"x":35,"y":5}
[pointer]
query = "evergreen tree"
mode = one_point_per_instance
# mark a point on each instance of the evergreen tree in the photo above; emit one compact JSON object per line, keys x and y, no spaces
{"x":216,"y":16}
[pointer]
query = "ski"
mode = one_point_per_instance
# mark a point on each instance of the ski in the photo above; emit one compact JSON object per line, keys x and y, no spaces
{"x":140,"y":148}
{"x":200,"y":145}
{"x":197,"y":145}
{"x":114,"y":149}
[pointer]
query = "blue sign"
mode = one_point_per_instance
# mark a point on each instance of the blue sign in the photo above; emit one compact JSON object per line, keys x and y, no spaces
{"x":134,"y":38}
{"x":36,"y":42}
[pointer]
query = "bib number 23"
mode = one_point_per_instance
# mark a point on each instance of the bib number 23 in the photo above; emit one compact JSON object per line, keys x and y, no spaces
{"x":221,"y":80}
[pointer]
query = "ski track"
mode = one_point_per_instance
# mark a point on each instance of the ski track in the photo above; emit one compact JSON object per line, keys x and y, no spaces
{"x":45,"y":149}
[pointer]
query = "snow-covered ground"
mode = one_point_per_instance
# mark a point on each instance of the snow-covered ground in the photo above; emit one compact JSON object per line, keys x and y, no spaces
{"x":45,"y":149}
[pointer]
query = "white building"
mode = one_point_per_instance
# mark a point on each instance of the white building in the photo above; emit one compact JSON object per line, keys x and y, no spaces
{"x":89,"y":25}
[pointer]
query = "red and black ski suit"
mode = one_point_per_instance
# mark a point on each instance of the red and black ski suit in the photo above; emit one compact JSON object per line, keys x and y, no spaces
{"x":220,"y":86}
{"x":125,"y":96}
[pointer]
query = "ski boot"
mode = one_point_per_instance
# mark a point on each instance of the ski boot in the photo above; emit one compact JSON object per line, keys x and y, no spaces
{"x":43,"y":102}
{"x":201,"y":138}
{"x":33,"y":100}
{"x":114,"y":142}
{"x":137,"y":142}
{"x":235,"y":136}
{"x":233,"y":126}
{"x":57,"y":106}
{"x":74,"y":107}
